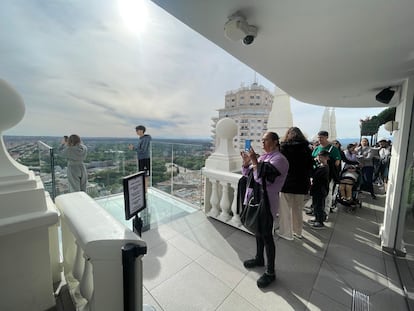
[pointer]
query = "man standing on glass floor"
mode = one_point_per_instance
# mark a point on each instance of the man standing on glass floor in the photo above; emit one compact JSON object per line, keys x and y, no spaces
{"x":143,"y":152}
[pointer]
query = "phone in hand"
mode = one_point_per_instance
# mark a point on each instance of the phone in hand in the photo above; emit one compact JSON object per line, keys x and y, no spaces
{"x":247,"y":144}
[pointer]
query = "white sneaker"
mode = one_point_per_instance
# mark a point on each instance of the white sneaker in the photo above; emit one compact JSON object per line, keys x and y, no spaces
{"x":298,"y":236}
{"x":285,"y":237}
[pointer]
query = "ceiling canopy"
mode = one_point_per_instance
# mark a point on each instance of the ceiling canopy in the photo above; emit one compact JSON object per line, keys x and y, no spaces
{"x":324,"y":52}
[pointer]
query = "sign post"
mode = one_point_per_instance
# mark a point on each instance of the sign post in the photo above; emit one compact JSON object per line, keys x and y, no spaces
{"x":134,"y":199}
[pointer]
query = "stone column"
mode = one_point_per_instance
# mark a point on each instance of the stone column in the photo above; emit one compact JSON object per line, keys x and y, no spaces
{"x":280,"y":118}
{"x":25,"y":218}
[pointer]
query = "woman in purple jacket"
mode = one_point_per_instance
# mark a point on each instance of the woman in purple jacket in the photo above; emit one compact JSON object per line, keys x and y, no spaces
{"x":265,"y":242}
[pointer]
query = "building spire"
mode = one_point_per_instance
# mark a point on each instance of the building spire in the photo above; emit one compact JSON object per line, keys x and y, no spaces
{"x":329,"y":122}
{"x":280,"y":117}
{"x":255,"y":79}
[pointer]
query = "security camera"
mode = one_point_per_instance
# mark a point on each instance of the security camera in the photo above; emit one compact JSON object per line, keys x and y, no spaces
{"x":237,"y":28}
{"x":252,"y":32}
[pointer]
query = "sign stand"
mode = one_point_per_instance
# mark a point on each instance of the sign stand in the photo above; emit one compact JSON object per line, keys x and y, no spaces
{"x":134,"y":199}
{"x":137,"y":225}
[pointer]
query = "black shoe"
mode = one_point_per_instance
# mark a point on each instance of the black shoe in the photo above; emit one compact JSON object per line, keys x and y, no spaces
{"x":311,"y":213}
{"x":318,"y":225}
{"x":265,"y":280}
{"x":251,"y":263}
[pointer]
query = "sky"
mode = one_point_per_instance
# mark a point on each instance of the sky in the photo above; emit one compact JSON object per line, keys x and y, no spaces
{"x":98,"y":68}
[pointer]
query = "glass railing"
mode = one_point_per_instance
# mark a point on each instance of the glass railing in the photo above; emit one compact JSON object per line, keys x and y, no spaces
{"x":46,"y":168}
{"x":175,"y":169}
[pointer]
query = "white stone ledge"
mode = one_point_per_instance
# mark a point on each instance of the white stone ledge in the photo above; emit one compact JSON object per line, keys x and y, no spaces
{"x":29,"y":221}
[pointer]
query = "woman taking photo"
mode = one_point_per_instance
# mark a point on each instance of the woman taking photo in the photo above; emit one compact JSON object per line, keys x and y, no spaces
{"x":271,"y":168}
{"x":75,"y":152}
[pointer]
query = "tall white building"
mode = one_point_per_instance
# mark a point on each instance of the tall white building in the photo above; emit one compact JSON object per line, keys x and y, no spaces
{"x":249,"y":107}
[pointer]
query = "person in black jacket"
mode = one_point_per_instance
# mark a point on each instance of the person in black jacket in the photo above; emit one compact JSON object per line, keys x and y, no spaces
{"x":296,"y":149}
{"x":320,"y":189}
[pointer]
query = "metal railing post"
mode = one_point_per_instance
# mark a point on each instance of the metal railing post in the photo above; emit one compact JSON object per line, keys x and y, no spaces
{"x":52,"y":169}
{"x":129,"y":254}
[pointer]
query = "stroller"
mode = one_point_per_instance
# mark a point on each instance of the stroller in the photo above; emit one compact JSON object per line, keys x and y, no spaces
{"x":347,"y":190}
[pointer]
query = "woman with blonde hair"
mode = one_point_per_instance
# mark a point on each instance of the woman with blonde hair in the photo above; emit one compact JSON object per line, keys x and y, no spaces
{"x":295,"y":147}
{"x":75,"y":152}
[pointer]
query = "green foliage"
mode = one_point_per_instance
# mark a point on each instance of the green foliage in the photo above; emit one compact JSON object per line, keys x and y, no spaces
{"x":370,"y":126}
{"x":387,"y":115}
{"x":191,"y":162}
{"x":159,"y":170}
{"x":122,"y":161}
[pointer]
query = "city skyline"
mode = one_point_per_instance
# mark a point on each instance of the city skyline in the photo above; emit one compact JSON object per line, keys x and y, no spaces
{"x":83,"y":67}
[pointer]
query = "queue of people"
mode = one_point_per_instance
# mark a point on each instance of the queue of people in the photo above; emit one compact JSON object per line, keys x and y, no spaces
{"x":306,"y":168}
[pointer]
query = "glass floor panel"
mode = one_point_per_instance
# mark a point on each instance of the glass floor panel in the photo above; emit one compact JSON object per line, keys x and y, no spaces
{"x":161,"y":206}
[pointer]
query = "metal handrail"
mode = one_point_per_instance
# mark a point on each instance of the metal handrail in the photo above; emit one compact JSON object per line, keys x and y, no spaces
{"x":52,"y":167}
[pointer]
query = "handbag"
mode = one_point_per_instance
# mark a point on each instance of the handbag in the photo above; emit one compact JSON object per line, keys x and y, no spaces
{"x":256,"y":216}
{"x":250,"y":216}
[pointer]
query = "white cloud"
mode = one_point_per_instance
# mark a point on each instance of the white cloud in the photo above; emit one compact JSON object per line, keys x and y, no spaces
{"x":81,"y":71}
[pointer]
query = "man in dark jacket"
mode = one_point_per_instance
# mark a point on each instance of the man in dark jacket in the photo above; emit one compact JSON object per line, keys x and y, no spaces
{"x":143,"y":152}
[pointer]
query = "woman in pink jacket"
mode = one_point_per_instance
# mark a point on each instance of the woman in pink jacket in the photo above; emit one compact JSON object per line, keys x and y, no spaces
{"x":276,"y":163}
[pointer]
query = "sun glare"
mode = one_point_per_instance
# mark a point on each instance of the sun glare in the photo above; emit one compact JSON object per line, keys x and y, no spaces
{"x":134,"y":14}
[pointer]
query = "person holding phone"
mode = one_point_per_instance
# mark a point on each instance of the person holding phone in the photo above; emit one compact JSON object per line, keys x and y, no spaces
{"x":273,"y":167}
{"x":75,"y":152}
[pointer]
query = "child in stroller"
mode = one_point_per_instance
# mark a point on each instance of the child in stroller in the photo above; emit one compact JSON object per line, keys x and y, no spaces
{"x":348,"y":187}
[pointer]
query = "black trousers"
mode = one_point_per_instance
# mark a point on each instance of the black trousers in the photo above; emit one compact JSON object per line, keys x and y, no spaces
{"x":266,"y":243}
{"x":367,"y":175}
{"x":318,"y":204}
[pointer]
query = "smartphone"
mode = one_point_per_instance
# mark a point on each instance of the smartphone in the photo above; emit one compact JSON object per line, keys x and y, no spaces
{"x":247,"y":144}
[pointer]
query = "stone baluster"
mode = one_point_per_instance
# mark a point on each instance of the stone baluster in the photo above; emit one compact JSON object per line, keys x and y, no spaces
{"x":225,"y":203}
{"x":86,"y":284}
{"x":77,"y":273}
{"x":214,"y":200}
{"x":78,"y":265}
{"x":207,"y":194}
{"x":235,"y":220}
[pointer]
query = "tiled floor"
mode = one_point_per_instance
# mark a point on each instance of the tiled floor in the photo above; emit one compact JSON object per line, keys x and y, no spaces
{"x":195,"y":263}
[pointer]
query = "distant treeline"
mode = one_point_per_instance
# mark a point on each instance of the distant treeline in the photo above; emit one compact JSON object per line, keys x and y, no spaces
{"x":132,"y":140}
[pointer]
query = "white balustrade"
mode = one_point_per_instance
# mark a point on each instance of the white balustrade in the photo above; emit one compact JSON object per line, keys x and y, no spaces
{"x":221,"y":181}
{"x":221,"y":196}
{"x":92,"y":242}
